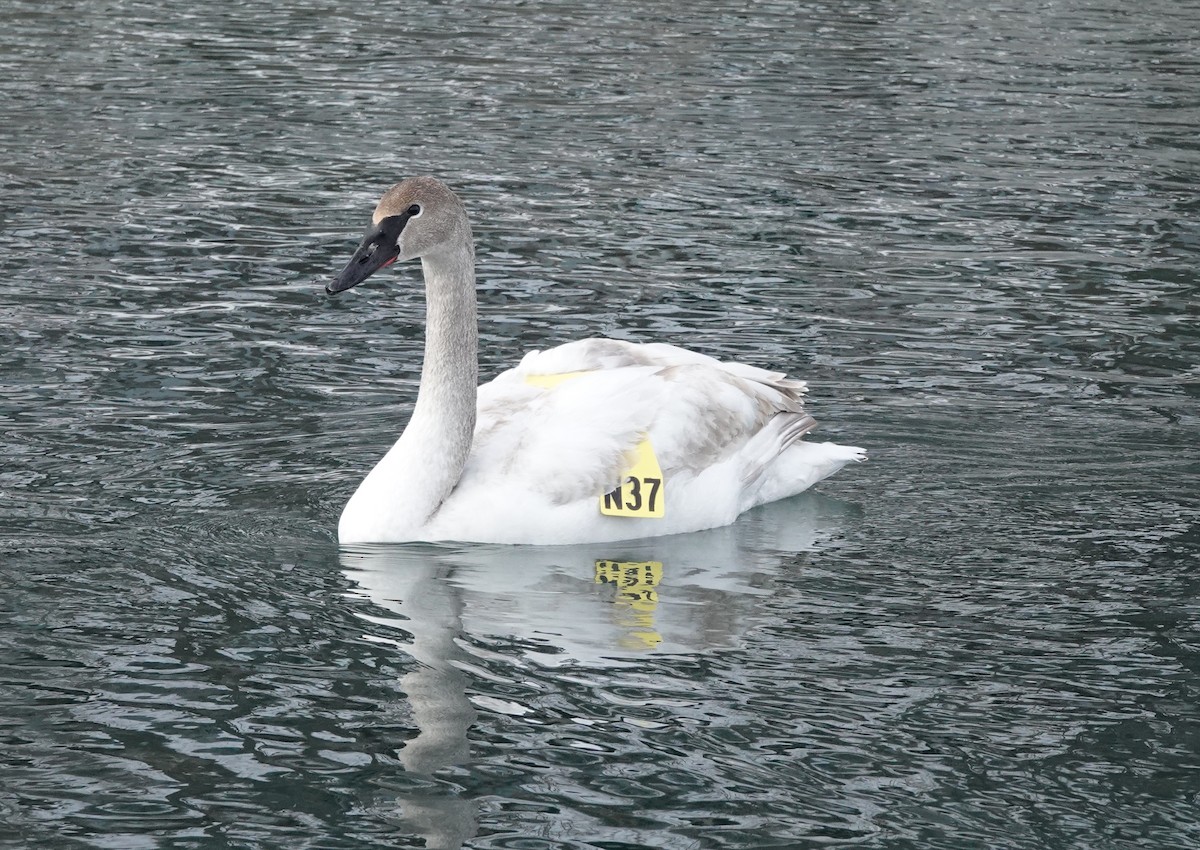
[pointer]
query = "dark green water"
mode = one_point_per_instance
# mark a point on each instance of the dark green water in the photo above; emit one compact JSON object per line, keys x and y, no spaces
{"x":975,"y":231}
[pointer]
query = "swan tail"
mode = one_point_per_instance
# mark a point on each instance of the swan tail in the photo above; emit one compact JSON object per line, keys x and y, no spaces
{"x":783,"y":431}
{"x":787,"y":465}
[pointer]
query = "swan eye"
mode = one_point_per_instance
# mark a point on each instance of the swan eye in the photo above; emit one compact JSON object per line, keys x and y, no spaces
{"x":414,"y":211}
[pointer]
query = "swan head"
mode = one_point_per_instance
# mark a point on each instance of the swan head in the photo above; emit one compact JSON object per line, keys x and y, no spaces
{"x":418,"y":217}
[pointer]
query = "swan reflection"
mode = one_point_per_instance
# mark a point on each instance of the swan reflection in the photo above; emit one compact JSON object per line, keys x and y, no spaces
{"x":466,"y":613}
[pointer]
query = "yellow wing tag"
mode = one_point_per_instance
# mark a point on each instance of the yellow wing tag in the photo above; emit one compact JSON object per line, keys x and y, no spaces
{"x":551,"y":381}
{"x":641,"y":493}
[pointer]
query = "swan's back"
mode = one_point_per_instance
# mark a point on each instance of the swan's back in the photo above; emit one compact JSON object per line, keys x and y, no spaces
{"x":558,"y":431}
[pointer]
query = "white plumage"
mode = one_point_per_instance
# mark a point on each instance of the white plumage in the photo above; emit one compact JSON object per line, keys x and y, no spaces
{"x":529,"y":456}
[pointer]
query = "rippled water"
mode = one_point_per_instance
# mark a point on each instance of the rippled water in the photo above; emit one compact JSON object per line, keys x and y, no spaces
{"x":973,"y":230}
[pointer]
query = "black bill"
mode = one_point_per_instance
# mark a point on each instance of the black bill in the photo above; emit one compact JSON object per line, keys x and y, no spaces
{"x":378,"y":249}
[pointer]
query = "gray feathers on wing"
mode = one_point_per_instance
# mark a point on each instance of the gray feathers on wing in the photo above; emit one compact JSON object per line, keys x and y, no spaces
{"x":578,"y":434}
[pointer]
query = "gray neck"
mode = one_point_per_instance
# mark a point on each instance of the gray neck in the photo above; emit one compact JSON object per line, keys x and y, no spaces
{"x":410,"y":483}
{"x":450,"y":373}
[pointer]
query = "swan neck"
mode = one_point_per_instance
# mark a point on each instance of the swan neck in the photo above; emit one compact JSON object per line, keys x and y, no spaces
{"x":449,"y":374}
{"x":406,"y":488}
{"x":438,"y":438}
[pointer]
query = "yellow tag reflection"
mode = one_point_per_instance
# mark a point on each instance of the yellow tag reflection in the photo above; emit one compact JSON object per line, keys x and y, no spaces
{"x":636,"y":598}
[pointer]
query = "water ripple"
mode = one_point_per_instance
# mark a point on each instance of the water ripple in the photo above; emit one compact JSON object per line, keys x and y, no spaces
{"x":973,"y":232}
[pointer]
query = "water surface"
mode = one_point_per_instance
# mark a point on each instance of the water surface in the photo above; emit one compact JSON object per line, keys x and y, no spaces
{"x":973,"y":231}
